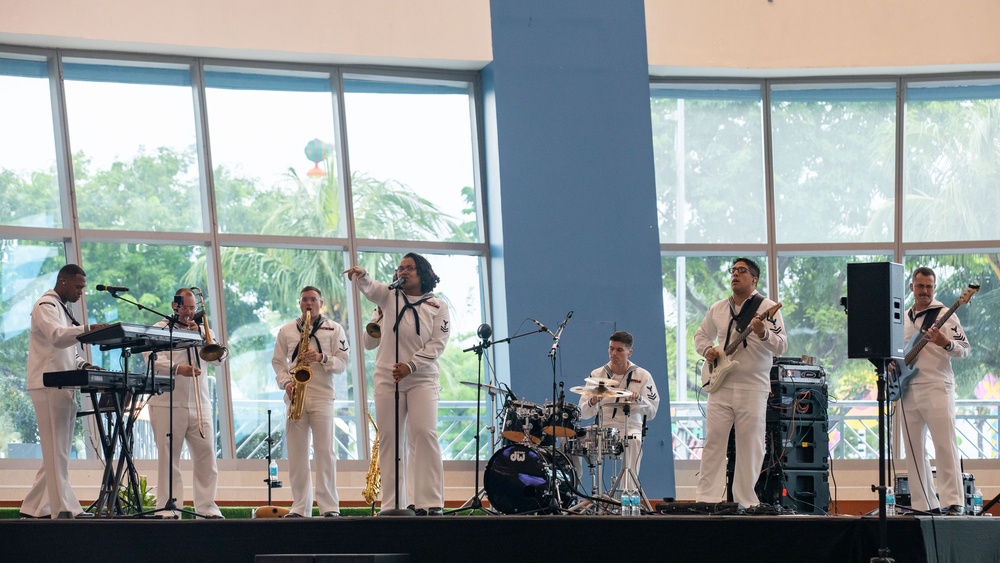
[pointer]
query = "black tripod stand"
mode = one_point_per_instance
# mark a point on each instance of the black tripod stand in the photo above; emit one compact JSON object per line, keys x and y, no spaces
{"x":475,"y":503}
{"x":881,"y":365}
{"x":555,"y":503}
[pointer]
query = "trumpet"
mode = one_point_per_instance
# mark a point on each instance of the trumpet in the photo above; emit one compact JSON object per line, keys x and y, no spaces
{"x":301,"y":373}
{"x":210,"y":352}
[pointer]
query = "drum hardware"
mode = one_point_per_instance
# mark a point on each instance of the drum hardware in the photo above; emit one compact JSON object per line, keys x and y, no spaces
{"x":523,"y":422}
{"x":628,"y":476}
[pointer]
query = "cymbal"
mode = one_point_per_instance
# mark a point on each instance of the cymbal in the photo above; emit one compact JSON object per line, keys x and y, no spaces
{"x":599,"y":391}
{"x":601,"y":381}
{"x":492,"y":389}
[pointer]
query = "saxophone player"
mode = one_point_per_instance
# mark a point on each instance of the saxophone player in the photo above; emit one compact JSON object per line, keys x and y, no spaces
{"x":322,"y":349}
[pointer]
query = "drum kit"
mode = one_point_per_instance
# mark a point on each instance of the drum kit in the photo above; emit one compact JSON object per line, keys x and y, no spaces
{"x":535,"y":471}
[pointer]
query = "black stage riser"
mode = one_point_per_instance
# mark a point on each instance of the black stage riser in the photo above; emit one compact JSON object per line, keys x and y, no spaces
{"x":508,"y":538}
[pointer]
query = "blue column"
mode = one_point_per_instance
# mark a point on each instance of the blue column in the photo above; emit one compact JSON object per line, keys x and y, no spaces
{"x":571,"y":199}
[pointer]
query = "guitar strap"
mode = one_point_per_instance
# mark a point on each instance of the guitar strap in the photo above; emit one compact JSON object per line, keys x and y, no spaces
{"x":930,"y":315}
{"x":742,"y":320}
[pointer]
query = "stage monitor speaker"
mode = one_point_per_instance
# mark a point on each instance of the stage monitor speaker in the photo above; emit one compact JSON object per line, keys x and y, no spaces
{"x":875,"y":310}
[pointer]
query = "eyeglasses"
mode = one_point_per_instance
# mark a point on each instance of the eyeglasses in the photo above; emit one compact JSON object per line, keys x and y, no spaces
{"x":739,"y":270}
{"x":407,"y":268}
{"x":922,"y":286}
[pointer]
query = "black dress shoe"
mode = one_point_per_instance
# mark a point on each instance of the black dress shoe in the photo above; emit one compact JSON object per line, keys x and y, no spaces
{"x":84,"y":515}
{"x":331,"y":514}
{"x":26,"y":516}
{"x":955,"y":510}
{"x":293,"y":515}
{"x":436,"y":511}
{"x":420,"y":512}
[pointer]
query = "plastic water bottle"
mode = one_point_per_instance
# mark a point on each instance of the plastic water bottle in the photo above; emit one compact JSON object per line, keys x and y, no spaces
{"x":977,"y":502}
{"x":626,"y":504}
{"x":272,"y":471}
{"x":636,"y":504}
{"x":890,"y":502}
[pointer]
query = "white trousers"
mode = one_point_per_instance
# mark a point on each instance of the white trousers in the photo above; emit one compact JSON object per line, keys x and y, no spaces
{"x":931,"y":407}
{"x":744,"y":411}
{"x":51,"y":493}
{"x":418,"y":413}
{"x":317,"y":422}
{"x":205,"y":469}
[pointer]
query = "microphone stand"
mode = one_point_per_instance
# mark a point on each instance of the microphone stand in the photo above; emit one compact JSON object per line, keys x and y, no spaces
{"x":170,"y":506}
{"x":883,"y":550}
{"x":396,"y":511}
{"x":475,"y":503}
{"x":554,"y":501}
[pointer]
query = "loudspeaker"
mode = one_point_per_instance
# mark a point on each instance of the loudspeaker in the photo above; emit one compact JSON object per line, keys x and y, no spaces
{"x":875,"y":310}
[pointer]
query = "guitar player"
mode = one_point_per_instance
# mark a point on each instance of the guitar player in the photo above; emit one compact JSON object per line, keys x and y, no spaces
{"x":741,"y":400}
{"x":928,"y":404}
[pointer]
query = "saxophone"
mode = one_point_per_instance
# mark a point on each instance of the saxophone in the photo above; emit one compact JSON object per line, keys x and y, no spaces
{"x":373,"y":481}
{"x":301,"y":373}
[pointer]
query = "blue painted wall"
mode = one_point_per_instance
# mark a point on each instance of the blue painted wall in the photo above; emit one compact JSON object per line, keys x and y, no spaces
{"x":571,"y":199}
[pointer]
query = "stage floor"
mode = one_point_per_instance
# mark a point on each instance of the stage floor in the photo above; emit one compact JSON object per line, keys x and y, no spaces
{"x":509,"y":538}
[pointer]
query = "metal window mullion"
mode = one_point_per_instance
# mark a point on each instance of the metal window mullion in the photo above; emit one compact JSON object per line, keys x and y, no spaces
{"x":772,"y":249}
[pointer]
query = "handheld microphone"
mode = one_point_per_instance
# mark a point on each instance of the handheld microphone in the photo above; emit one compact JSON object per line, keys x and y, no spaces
{"x":199,"y":317}
{"x":398,"y":283}
{"x":112,"y":288}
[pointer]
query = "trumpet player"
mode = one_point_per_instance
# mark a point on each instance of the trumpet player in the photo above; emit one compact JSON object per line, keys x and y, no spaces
{"x":192,"y":420}
{"x":320,"y":348}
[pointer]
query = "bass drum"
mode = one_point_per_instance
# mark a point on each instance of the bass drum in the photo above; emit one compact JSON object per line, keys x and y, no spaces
{"x":518,"y":479}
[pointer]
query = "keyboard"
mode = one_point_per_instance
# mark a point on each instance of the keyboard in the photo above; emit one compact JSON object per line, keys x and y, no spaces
{"x":92,"y":379}
{"x":139,"y":338}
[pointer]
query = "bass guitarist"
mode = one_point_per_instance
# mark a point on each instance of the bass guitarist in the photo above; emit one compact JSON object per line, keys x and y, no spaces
{"x":741,"y":400}
{"x":928,"y":403}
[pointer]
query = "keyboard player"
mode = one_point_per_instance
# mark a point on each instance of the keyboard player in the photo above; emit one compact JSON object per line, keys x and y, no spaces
{"x":53,"y":347}
{"x":189,"y":380}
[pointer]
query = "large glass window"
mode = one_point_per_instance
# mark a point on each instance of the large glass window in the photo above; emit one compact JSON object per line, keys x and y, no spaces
{"x":412,"y":173}
{"x":133,"y":139}
{"x":27,"y":270}
{"x":951,"y":161}
{"x":273,"y":148}
{"x":834,"y":162}
{"x":29,"y":190}
{"x":709,"y":156}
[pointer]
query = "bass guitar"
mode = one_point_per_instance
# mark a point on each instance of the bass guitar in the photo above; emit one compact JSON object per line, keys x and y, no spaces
{"x":899,"y":374}
{"x":714,"y":372}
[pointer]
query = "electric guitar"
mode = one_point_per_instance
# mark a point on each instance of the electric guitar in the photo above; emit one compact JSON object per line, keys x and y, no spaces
{"x":899,"y":373}
{"x":714,"y":372}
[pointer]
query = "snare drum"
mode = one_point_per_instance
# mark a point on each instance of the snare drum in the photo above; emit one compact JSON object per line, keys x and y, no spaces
{"x":591,"y":441}
{"x":561,"y":419}
{"x":522,"y":419}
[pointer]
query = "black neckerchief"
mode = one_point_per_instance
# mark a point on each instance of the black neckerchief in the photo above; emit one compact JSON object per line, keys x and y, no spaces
{"x":627,"y":378}
{"x":413,"y":306}
{"x":742,"y":320}
{"x":930,"y":315}
{"x":312,"y":334}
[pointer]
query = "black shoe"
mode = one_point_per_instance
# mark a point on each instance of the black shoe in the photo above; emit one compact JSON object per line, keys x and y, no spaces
{"x":83,"y":515}
{"x":26,"y":516}
{"x":214,"y":517}
{"x":331,"y":514}
{"x":420,"y":512}
{"x":293,"y":515}
{"x":436,"y":511}
{"x":955,"y":510}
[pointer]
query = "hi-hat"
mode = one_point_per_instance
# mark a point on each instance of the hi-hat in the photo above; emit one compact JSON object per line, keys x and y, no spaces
{"x":599,"y":391}
{"x":491,"y":389}
{"x":601,"y":381}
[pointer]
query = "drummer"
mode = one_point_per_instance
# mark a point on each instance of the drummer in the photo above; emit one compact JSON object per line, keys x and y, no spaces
{"x":642,"y":401}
